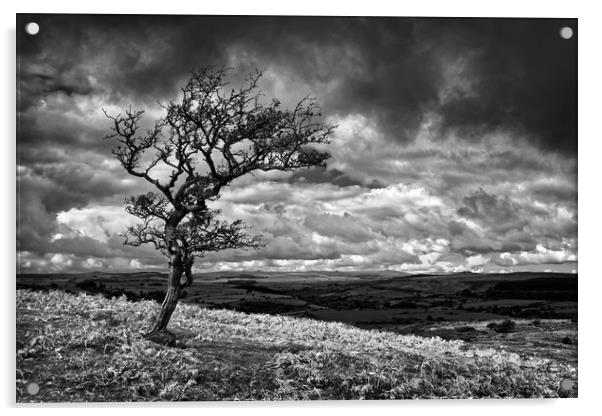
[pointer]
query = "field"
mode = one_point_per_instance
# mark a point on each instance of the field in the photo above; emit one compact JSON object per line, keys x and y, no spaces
{"x":298,"y":336}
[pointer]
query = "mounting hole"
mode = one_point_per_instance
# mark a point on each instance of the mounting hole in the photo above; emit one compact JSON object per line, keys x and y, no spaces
{"x":33,"y":388}
{"x":566,"y":385}
{"x":32,"y":28}
{"x":566,"y":32}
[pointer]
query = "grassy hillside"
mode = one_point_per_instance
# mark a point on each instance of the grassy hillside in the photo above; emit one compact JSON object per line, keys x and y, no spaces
{"x":89,"y":348}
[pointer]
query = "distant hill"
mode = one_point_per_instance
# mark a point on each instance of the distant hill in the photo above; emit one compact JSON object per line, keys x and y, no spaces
{"x":228,"y":274}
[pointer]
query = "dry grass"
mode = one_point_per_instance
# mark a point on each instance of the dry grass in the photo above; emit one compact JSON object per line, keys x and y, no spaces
{"x":89,"y":348}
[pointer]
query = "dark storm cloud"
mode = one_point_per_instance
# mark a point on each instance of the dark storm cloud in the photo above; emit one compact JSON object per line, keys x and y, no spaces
{"x":334,"y":176}
{"x":81,"y":246}
{"x":521,"y":73}
{"x":556,"y":191}
{"x":468,"y":242}
{"x":52,"y":130}
{"x":84,"y":246}
{"x":35,"y":224}
{"x":510,"y":226}
{"x":64,"y":186}
{"x":48,"y":188}
{"x":500,"y":212}
{"x":495,"y":99}
{"x":39,"y":82}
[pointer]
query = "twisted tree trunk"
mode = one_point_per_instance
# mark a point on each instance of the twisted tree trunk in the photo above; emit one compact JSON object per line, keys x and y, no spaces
{"x":158,"y":332}
{"x":172,"y":295}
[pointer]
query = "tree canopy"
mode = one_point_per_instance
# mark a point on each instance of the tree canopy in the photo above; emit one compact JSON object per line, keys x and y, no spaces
{"x":208,"y":137}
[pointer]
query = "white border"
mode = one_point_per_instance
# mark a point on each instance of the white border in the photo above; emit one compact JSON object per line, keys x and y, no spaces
{"x":590,"y":189}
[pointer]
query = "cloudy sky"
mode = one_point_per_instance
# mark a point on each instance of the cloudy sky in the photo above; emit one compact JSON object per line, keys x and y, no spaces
{"x":456,"y":146}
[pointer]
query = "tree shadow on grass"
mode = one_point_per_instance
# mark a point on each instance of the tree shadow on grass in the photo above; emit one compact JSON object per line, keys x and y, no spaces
{"x":234,"y":350}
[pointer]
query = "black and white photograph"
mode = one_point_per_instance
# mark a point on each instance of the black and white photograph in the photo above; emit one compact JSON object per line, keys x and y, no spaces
{"x":286,"y":207}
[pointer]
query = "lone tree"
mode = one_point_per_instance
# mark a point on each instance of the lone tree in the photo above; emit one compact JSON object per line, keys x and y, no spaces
{"x":207,"y":138}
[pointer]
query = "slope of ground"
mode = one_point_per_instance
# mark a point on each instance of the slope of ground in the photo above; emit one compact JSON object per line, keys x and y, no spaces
{"x":89,"y":348}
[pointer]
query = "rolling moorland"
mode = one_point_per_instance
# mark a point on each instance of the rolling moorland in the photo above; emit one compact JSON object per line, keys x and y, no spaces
{"x":285,"y":336}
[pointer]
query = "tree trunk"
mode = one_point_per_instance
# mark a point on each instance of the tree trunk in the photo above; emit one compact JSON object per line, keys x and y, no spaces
{"x":159,"y":332}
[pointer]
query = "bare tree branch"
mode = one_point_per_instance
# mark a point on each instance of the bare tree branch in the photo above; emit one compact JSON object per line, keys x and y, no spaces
{"x":209,"y":137}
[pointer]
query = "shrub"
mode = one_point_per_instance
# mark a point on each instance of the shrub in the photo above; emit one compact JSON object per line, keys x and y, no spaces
{"x":506,"y":326}
{"x":87,"y":285}
{"x":491,"y":325}
{"x":567,"y":341}
{"x":464,"y":328}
